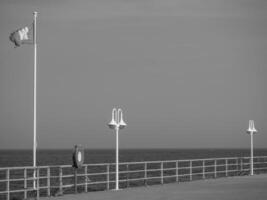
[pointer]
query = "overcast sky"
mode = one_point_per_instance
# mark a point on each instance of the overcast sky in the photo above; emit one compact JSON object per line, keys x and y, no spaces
{"x":187,"y":73}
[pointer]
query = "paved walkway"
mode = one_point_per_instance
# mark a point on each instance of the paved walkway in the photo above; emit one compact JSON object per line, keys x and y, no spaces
{"x":230,"y":188}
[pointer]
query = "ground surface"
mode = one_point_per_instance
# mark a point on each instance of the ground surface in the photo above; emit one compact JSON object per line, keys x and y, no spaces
{"x":231,"y":188}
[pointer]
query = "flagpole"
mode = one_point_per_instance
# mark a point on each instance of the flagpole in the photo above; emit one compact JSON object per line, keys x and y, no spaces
{"x":34,"y":97}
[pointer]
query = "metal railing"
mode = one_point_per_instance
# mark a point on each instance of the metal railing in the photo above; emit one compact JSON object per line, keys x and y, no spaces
{"x":59,"y":180}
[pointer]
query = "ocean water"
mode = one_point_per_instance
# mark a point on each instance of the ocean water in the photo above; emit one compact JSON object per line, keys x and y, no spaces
{"x":11,"y":158}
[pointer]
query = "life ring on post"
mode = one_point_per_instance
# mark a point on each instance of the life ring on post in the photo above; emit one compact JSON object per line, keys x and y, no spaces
{"x":78,"y":156}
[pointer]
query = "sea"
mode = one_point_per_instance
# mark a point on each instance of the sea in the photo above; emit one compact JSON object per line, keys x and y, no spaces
{"x":45,"y":157}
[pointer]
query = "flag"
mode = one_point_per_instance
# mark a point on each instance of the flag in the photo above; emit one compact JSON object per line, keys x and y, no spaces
{"x":22,"y":36}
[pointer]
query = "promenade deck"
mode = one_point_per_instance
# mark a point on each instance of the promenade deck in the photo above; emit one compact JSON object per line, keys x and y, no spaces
{"x":230,"y":188}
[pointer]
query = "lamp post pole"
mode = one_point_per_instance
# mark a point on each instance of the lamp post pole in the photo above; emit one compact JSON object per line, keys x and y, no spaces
{"x":117,"y":157}
{"x":251,"y":130}
{"x":117,"y":123}
{"x":251,"y":155}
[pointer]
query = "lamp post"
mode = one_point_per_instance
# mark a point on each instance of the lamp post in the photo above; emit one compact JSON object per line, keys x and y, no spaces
{"x":117,"y":123}
{"x":251,"y":130}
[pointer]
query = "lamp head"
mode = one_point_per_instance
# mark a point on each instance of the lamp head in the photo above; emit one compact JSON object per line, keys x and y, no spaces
{"x":122,"y":124}
{"x":251,"y":127}
{"x":113,"y":123}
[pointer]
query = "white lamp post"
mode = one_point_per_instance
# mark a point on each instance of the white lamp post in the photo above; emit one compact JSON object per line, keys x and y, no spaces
{"x":117,"y":123}
{"x":251,"y":130}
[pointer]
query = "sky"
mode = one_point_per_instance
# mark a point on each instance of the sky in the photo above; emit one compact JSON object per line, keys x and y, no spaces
{"x":186,"y":73}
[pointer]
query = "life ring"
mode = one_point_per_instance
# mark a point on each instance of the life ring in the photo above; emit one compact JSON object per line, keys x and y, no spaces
{"x":78,"y":156}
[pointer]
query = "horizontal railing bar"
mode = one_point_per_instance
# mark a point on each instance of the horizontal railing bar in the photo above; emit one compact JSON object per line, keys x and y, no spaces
{"x":82,"y":184}
{"x":97,"y":174}
{"x":22,"y":179}
{"x":213,"y":172}
{"x":99,"y":164}
{"x":21,"y":190}
{"x":260,"y":162}
{"x":98,"y":182}
{"x":43,"y":187}
{"x":184,"y":167}
{"x":153,"y":170}
{"x":221,"y":172}
{"x":133,"y":171}
{"x":16,"y":179}
{"x":52,"y":177}
{"x":24,"y":189}
{"x":221,"y":165}
{"x":169,"y":169}
{"x":182,"y":175}
{"x":135,"y":179}
{"x":27,"y":167}
{"x":198,"y":166}
{"x":67,"y":176}
{"x":125,"y":180}
{"x":258,"y":168}
{"x":54,"y":186}
{"x":66,"y":186}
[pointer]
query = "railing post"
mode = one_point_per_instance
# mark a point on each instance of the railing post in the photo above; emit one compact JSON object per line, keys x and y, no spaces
{"x":215,"y":168}
{"x":161,"y":172}
{"x":38,"y":183}
{"x":107,"y":177}
{"x":190,"y":170}
{"x":60,"y":181}
{"x":48,"y":182}
{"x":237,"y":168}
{"x":226,"y":167}
{"x":145,"y":178}
{"x":75,"y":180}
{"x":203,"y":169}
{"x":25,"y":183}
{"x":127,"y":175}
{"x":7,"y":183}
{"x":85,"y":178}
{"x":241,"y":165}
{"x":177,"y":172}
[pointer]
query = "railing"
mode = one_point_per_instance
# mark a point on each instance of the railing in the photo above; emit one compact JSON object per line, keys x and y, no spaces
{"x":29,"y":182}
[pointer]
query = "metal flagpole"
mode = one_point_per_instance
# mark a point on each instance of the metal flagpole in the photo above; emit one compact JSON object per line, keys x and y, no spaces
{"x":34,"y":97}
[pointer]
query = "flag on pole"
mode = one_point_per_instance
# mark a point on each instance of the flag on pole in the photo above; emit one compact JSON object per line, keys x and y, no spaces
{"x":27,"y":35}
{"x":22,"y":36}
